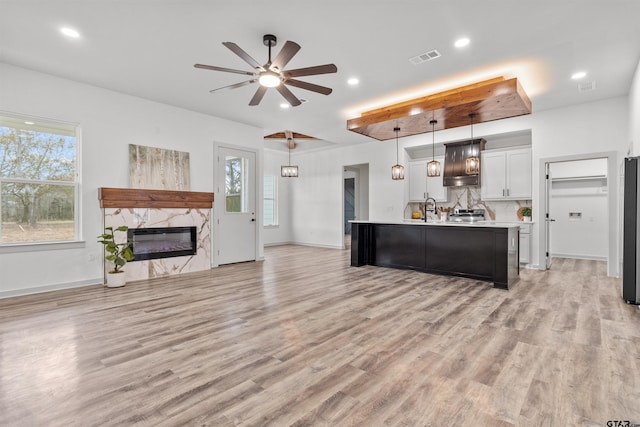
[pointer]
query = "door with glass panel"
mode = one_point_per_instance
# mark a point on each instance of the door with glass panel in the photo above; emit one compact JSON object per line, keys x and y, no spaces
{"x":237,"y":214}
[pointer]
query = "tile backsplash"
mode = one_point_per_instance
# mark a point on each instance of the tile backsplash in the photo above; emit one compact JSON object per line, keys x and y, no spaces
{"x":469,"y":198}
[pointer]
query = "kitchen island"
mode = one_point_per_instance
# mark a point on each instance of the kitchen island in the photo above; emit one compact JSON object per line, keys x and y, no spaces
{"x":484,"y":250}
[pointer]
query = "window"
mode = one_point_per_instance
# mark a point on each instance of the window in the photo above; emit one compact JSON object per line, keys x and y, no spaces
{"x":236,"y":184}
{"x":38,"y":181}
{"x":270,"y":191}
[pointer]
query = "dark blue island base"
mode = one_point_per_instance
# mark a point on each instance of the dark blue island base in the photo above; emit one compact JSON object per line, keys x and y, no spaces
{"x":485,"y":253}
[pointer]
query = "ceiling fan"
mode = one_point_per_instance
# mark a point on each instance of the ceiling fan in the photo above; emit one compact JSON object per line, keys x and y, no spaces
{"x":272,"y":73}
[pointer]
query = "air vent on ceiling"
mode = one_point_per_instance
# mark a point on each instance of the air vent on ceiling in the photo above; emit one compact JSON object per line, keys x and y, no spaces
{"x":586,"y":86}
{"x":424,"y":57}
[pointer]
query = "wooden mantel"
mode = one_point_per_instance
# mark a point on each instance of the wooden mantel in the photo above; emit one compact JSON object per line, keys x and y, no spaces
{"x":140,"y":198}
{"x":493,"y":99}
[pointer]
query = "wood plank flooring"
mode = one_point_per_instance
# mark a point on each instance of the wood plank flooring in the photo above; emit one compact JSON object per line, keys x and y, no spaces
{"x":303,"y":339}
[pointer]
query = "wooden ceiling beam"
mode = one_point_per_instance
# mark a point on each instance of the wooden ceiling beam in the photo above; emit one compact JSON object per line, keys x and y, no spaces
{"x":489,"y":100}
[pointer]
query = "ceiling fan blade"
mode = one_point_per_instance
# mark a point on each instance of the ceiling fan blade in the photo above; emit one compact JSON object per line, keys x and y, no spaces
{"x":311,"y":71}
{"x":287,"y":52}
{"x":288,"y":95}
{"x":234,"y":86}
{"x":226,"y":70}
{"x":309,"y":86}
{"x":257,"y":97}
{"x":244,"y":55}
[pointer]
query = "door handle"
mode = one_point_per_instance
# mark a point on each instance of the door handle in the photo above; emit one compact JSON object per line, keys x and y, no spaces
{"x":551,"y":220}
{"x":253,"y":219}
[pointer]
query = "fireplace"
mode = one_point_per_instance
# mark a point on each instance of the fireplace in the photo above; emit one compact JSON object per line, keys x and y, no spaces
{"x":164,"y":242}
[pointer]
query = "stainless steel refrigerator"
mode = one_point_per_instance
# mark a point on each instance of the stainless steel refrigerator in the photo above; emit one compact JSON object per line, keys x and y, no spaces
{"x":631,"y":232}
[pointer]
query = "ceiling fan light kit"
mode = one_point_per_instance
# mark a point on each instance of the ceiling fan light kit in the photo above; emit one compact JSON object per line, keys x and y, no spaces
{"x":272,"y":74}
{"x":269,"y":79}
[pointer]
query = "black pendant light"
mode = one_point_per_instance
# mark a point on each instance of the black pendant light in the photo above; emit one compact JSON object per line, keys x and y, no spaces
{"x":433,"y":167}
{"x":289,"y":171}
{"x":397,"y":171}
{"x":472,"y":164}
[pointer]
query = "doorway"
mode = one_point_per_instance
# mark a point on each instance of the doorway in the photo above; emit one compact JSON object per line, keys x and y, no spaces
{"x":577,"y":209}
{"x":355,"y":197}
{"x":237,"y":182}
{"x":349,"y":203}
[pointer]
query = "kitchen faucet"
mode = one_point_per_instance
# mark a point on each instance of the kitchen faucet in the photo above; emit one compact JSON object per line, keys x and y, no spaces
{"x":434,"y":210}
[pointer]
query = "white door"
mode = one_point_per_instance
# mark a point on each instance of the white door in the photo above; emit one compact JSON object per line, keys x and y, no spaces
{"x":237,"y":183}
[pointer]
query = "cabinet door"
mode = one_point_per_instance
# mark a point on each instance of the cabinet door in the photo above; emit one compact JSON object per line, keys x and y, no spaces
{"x":519,"y":174}
{"x":417,"y":180}
{"x":525,"y":247}
{"x":435,"y":188}
{"x":493,"y":179}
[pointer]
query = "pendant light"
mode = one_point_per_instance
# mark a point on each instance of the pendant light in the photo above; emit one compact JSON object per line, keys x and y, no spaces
{"x":433,"y":167}
{"x":472,"y":165}
{"x":289,"y":171}
{"x":397,"y":171}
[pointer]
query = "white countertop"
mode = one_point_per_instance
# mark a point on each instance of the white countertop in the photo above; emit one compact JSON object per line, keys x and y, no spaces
{"x":493,"y":224}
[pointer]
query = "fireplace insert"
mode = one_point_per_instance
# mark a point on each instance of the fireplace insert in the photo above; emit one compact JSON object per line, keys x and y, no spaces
{"x":163,"y":242}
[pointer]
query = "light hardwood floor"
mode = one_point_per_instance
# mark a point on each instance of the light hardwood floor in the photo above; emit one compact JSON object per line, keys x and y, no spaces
{"x":304,"y":339}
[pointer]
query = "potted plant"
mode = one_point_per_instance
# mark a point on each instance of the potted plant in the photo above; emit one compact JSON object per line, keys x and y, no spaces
{"x":526,"y":214}
{"x":118,"y":253}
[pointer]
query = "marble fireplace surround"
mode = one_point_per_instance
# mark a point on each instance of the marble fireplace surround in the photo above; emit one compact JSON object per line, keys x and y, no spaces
{"x":139,"y":208}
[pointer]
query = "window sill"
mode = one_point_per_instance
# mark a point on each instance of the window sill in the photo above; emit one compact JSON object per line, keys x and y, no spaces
{"x":44,"y":246}
{"x":268,"y":227}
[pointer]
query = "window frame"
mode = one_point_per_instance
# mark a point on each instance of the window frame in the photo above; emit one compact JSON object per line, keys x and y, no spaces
{"x":40,"y":245}
{"x":274,"y":180}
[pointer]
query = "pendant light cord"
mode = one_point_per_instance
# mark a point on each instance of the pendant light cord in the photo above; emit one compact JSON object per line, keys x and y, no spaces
{"x":397,"y":129}
{"x":433,"y":137}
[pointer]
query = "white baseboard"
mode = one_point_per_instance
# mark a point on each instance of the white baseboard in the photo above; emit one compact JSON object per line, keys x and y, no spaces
{"x":49,"y":288}
{"x":278,"y":244}
{"x":574,"y":256}
{"x":313,"y":245}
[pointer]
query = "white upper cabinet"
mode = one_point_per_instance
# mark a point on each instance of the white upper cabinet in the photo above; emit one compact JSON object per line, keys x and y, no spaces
{"x":417,"y":180}
{"x":421,"y":186}
{"x":506,"y":174}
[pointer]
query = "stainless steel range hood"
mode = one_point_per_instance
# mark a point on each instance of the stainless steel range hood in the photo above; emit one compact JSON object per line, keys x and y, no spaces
{"x":455,"y":162}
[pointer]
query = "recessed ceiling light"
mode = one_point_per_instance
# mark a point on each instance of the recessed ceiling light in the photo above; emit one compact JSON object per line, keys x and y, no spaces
{"x":578,"y":75}
{"x":462,"y":42}
{"x":353,"y":81}
{"x":285,"y":105}
{"x":70,"y":32}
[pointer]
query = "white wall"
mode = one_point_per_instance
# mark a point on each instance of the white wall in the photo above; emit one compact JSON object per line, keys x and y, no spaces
{"x":634,"y":114}
{"x":317,"y":196}
{"x":581,"y":129}
{"x":110,"y":121}
{"x":281,"y":233}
